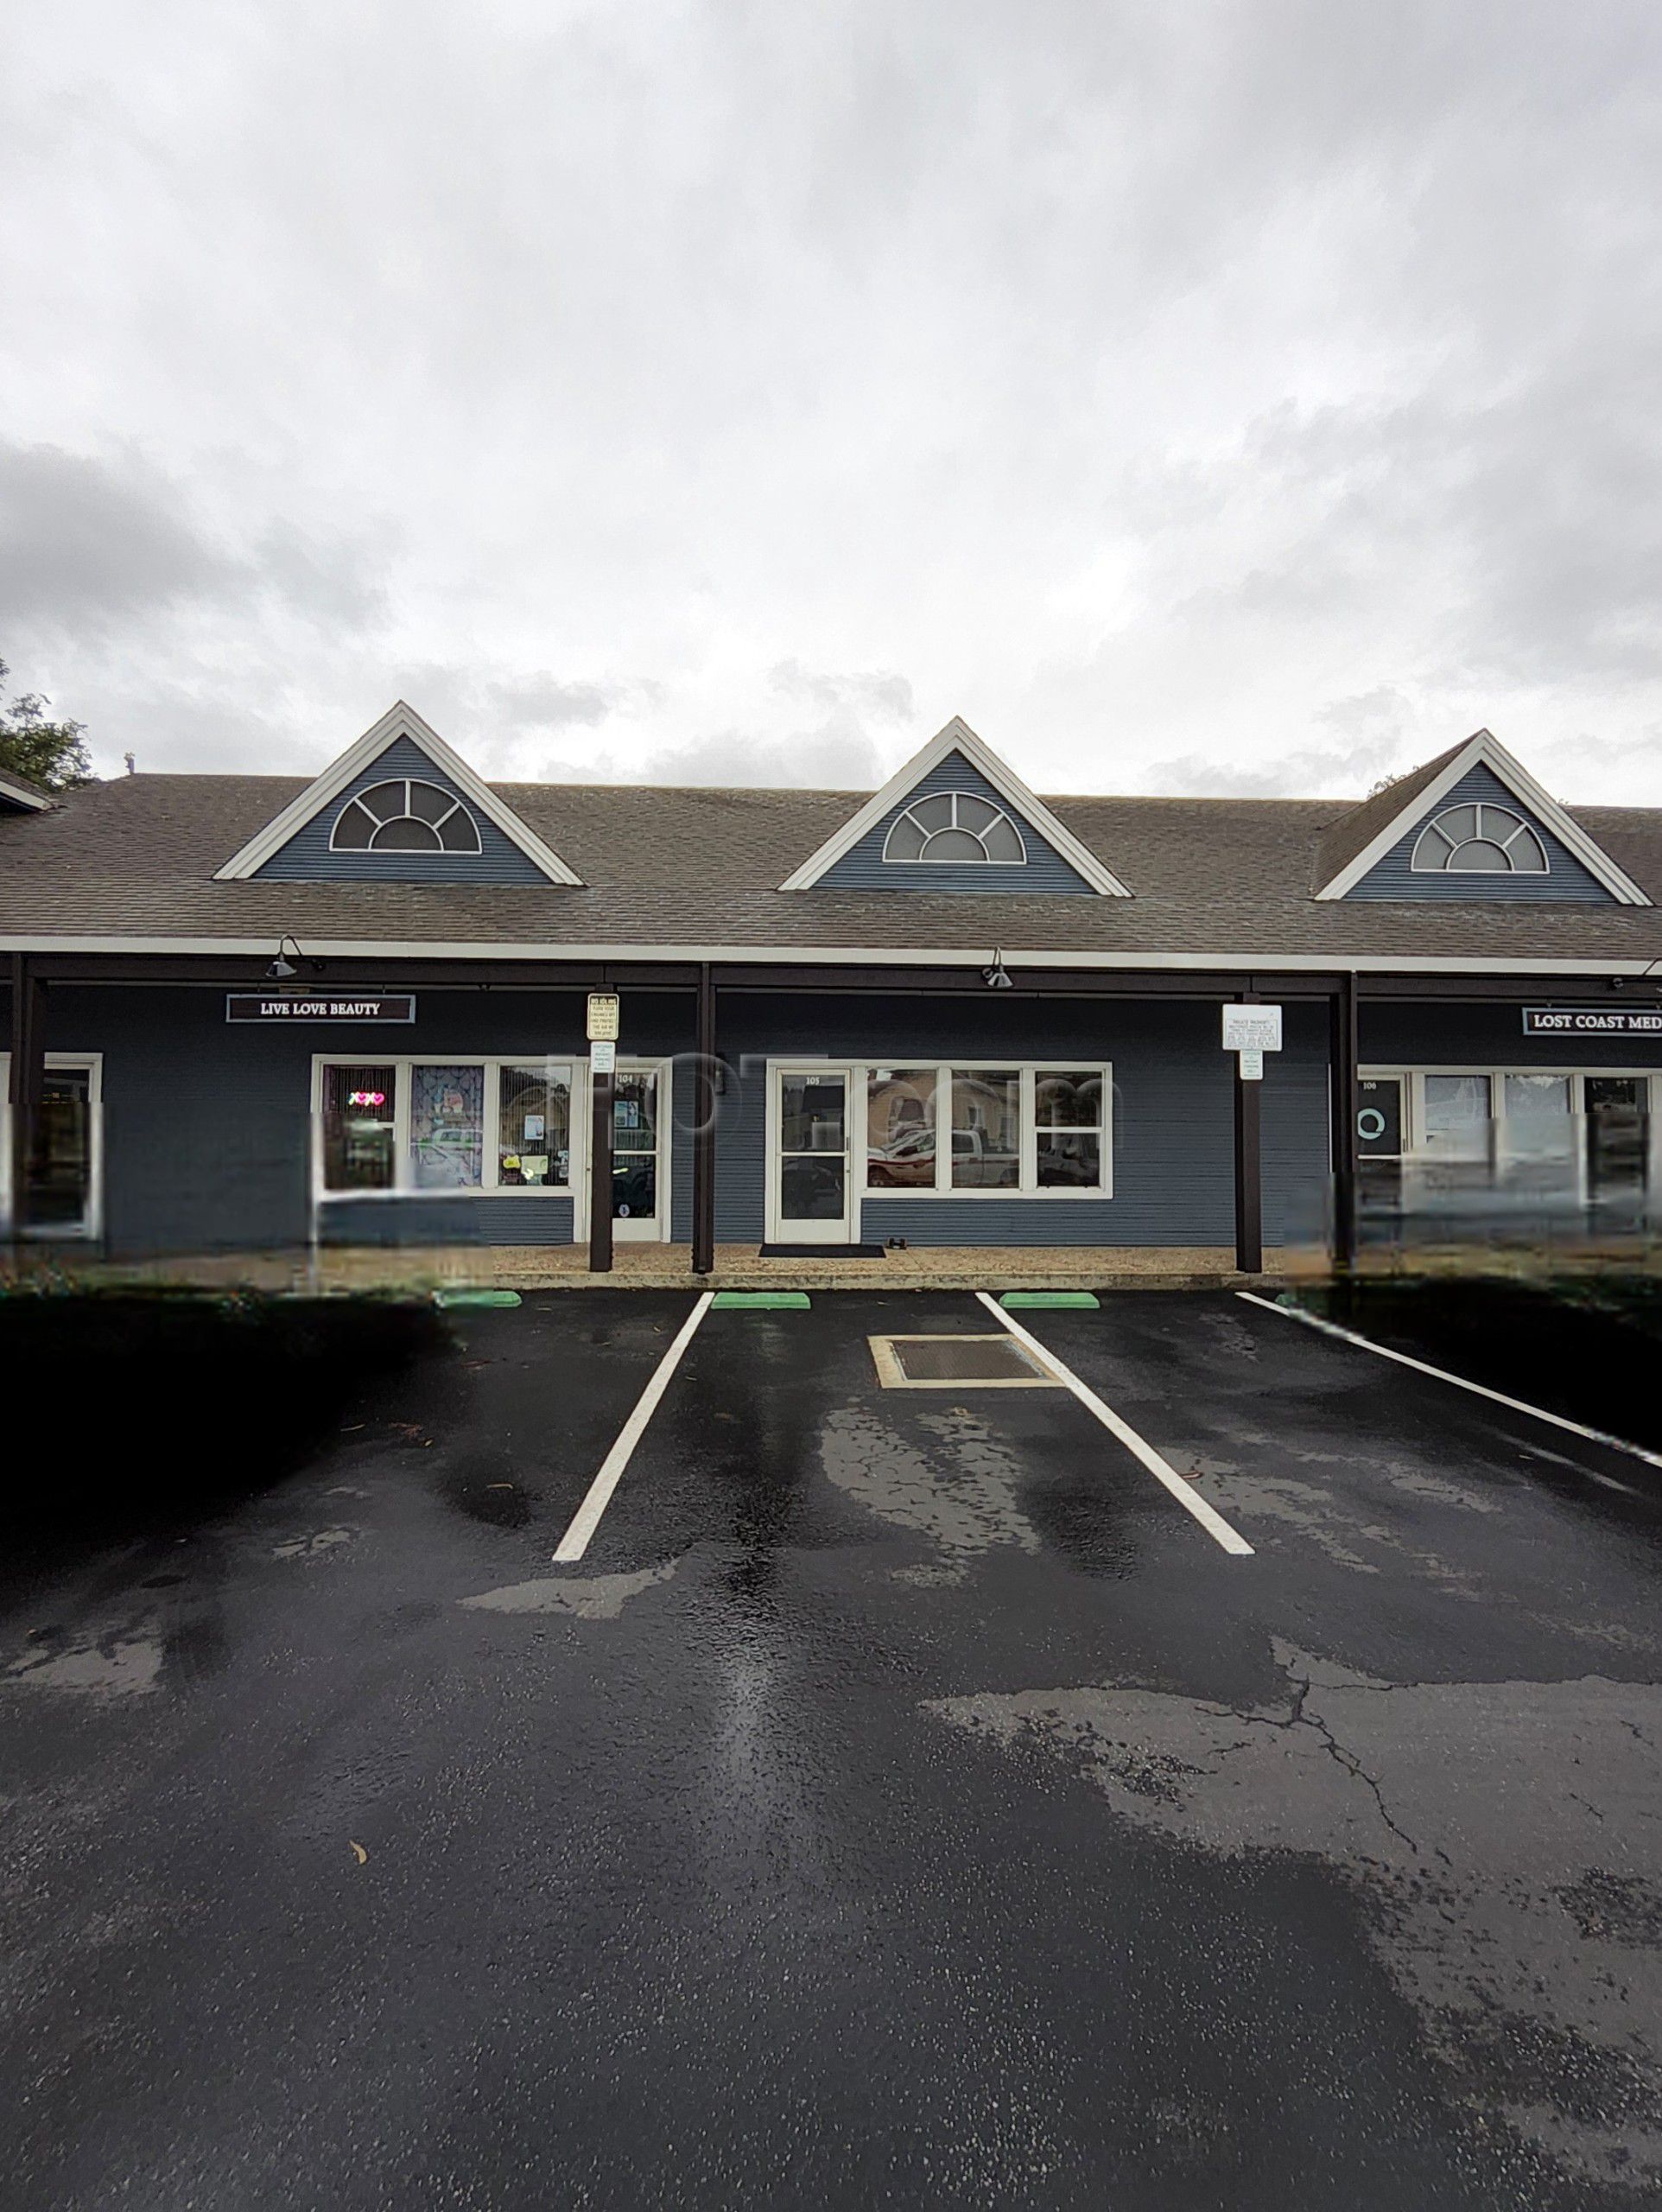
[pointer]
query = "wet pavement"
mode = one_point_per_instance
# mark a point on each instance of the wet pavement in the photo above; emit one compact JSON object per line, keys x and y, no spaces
{"x":905,"y":1802}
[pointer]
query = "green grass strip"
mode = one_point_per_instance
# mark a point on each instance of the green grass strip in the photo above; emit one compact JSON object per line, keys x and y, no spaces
{"x":476,"y":1298}
{"x":1084,"y":1300}
{"x":761,"y":1301}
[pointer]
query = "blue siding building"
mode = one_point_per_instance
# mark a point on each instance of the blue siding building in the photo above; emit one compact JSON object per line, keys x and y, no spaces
{"x":252,"y":1013}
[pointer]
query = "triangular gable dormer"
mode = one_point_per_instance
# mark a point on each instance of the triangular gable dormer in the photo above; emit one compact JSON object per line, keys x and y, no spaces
{"x":1472,"y":824}
{"x":19,"y":796}
{"x":400,"y":806}
{"x":955,"y":818}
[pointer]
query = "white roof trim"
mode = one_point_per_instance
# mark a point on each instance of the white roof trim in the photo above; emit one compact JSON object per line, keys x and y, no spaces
{"x":661,"y":956}
{"x":958,"y":737}
{"x":1486,"y":748}
{"x":24,"y":795}
{"x":400,"y":720}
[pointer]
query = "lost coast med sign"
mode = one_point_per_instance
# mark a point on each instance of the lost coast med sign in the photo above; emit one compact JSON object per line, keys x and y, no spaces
{"x":371,"y":1006}
{"x":1593,"y":1021}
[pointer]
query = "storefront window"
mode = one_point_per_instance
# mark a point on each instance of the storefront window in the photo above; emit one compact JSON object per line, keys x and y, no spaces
{"x":1067,"y":1129}
{"x":986,"y":1129}
{"x":358,"y":1119}
{"x":447,"y":1128}
{"x":1539,"y":1124}
{"x":1457,"y":1110}
{"x":900,"y":1128}
{"x":533,"y":1127}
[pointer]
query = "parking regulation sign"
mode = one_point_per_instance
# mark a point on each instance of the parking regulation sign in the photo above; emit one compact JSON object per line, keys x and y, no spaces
{"x":604,"y":1017}
{"x":1251,"y":1029}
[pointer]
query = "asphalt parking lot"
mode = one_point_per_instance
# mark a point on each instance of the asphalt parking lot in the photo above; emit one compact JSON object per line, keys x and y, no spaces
{"x":905,"y":1799}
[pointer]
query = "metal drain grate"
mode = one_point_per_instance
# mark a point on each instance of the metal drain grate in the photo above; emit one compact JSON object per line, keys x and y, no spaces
{"x":955,"y":1361}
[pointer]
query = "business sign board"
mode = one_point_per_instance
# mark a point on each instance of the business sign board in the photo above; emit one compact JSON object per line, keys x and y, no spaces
{"x":604,"y":1017}
{"x":370,"y":1006}
{"x":1593,"y":1021}
{"x":1251,"y":1029}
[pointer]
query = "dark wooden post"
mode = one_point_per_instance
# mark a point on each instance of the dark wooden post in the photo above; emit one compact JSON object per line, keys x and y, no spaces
{"x":600,"y":1177}
{"x":28,"y":1080}
{"x":704,"y":1132}
{"x":1249,"y":1192}
{"x":1342,"y":1061}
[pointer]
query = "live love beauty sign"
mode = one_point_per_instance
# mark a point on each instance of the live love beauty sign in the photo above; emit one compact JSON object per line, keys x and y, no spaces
{"x":254,"y":1006}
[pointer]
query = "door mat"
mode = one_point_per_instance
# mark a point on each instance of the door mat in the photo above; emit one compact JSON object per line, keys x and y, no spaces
{"x":476,"y":1298}
{"x":821,"y":1251}
{"x":1085,"y":1299}
{"x":760,"y":1302}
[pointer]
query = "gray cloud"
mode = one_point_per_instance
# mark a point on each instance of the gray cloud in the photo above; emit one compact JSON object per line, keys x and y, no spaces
{"x":1144,"y":384}
{"x":84,"y":541}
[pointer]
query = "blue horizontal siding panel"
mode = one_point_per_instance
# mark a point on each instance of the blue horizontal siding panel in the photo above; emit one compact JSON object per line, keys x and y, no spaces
{"x":1294,"y":1139}
{"x":1173,"y":1124}
{"x":1567,"y":882}
{"x":507,"y":1219}
{"x":208,"y":1123}
{"x":307,"y":858}
{"x":865,"y":869}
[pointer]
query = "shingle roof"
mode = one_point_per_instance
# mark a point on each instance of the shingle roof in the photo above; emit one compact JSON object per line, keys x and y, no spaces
{"x":1339,"y":844}
{"x":673,"y":868}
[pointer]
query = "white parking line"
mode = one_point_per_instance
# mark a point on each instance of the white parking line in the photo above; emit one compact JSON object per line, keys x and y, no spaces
{"x":1478,"y":1389}
{"x":1190,"y":1499}
{"x":587,"y":1519}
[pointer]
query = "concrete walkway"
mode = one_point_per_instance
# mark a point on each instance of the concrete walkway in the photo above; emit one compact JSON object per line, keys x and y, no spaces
{"x":667,"y":1267}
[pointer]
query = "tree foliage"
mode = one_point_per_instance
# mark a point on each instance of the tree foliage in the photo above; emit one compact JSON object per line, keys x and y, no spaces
{"x":51,"y":754}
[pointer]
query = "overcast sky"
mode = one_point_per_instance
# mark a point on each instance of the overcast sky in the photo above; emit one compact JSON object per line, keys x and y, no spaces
{"x":1252,"y":397}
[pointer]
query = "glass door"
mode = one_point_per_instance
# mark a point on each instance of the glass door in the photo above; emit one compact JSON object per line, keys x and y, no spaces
{"x":808,"y":1193}
{"x":63,"y":1175}
{"x":640,"y":1198}
{"x":1378,"y":1144}
{"x":1617,"y":1110}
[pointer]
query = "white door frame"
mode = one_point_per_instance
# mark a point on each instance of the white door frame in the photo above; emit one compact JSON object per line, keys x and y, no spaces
{"x":656,"y":1231}
{"x":91,"y":1225}
{"x":814,"y":1233}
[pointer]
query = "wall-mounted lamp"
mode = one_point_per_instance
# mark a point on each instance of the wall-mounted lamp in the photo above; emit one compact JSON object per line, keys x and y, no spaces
{"x":997,"y":977}
{"x":281,"y":970}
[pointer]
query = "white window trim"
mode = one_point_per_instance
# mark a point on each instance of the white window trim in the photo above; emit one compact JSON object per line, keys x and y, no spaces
{"x":488,"y":1187}
{"x":1028,"y":1186}
{"x":92,"y":1225}
{"x":474,"y":851}
{"x":922,"y":859}
{"x":1525,"y":828}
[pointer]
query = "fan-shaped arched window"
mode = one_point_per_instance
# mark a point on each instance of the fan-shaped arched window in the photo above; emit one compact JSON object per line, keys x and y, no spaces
{"x":404,"y":817}
{"x":957,"y":826}
{"x":1479,"y":840}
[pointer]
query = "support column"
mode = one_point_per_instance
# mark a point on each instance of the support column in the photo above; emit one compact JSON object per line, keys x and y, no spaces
{"x":704,"y":1132}
{"x":599,"y":1175}
{"x":1343,"y":1059}
{"x":1249,"y":1191}
{"x":28,"y":1081}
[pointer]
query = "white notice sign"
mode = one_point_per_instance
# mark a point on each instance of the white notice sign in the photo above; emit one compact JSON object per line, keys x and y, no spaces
{"x":1252,"y":1064}
{"x":1251,"y":1029}
{"x":602,"y":1059}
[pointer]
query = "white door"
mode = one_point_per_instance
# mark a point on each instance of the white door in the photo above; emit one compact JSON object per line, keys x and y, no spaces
{"x":810,"y":1182}
{"x":65,"y":1199}
{"x":640,"y":1151}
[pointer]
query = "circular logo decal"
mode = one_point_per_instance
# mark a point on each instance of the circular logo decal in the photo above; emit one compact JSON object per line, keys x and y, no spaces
{"x":1370,"y":1123}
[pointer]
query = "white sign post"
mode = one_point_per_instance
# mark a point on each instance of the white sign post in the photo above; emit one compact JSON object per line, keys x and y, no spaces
{"x":605,"y":1013}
